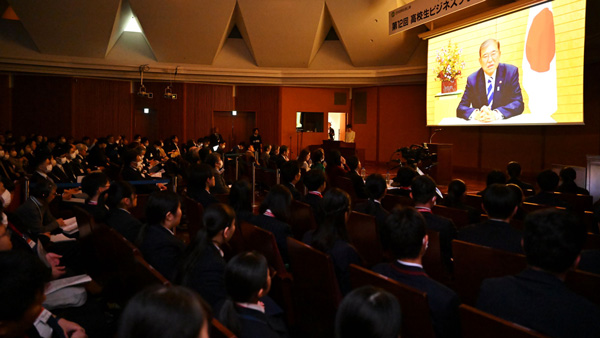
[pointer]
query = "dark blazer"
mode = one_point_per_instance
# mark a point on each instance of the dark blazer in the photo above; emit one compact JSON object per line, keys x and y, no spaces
{"x":295,"y":193}
{"x":131,"y":174}
{"x":203,"y":197}
{"x":315,"y":203}
{"x":342,"y":255}
{"x":280,"y":230}
{"x":508,"y":99}
{"x":524,"y":186}
{"x":358,"y":183}
{"x":540,"y":301}
{"x":98,"y":212}
{"x":257,"y":324}
{"x":161,"y":249}
{"x":494,"y":234}
{"x":208,"y":277}
{"x":572,"y":188}
{"x":35,"y":218}
{"x":374,"y":209}
{"x":547,"y":198}
{"x":447,"y":232}
{"x":124,"y":223}
{"x":220,"y":185}
{"x":443,"y":302}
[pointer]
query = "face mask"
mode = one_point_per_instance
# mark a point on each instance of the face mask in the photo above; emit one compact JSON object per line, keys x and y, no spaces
{"x":6,"y":197}
{"x":48,"y":168}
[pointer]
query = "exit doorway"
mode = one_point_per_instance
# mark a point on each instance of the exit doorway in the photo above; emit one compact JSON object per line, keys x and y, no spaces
{"x":234,"y":128}
{"x":338,"y":123}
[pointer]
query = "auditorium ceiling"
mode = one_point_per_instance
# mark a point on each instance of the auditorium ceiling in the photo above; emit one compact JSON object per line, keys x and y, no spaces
{"x":280,"y":42}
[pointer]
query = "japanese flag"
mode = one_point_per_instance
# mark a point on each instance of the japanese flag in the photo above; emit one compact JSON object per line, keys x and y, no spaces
{"x":539,"y":61}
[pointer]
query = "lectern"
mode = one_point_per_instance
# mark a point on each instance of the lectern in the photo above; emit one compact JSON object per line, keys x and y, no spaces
{"x":442,"y":172}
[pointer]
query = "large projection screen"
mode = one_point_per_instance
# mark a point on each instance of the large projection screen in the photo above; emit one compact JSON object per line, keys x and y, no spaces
{"x":546,"y":45}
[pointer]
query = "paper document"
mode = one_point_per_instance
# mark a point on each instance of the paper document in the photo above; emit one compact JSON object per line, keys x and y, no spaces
{"x":66,"y":282}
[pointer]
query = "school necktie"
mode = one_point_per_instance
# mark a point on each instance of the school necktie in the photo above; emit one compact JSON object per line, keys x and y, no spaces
{"x":490,"y":92}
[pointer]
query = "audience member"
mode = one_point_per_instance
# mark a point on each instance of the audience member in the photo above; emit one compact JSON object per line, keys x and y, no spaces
{"x":568,"y":185}
{"x":547,"y":180}
{"x":161,"y":311}
{"x":336,"y":166}
{"x":157,"y":241}
{"x":376,"y":188}
{"x":537,"y":297}
{"x":265,"y":156}
{"x":304,"y":159}
{"x":216,"y":163}
{"x":247,"y":281}
{"x":455,"y":199}
{"x":368,"y":312}
{"x":274,"y":214}
{"x":283,"y":156}
{"x":513,"y":169}
{"x":121,"y":198}
{"x":315,"y":182}
{"x":493,"y":177}
{"x":353,"y":174}
{"x":317,"y":157}
{"x":290,"y":176}
{"x":94,"y":186}
{"x":406,"y":231}
{"x":500,"y":204}
{"x":240,"y":199}
{"x":202,"y":266}
{"x":34,"y":215}
{"x":331,"y":236}
{"x":402,"y":181}
{"x":201,"y":178}
{"x":423,"y":191}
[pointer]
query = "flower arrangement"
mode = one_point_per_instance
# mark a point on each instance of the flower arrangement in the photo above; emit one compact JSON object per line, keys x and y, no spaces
{"x":449,"y":61}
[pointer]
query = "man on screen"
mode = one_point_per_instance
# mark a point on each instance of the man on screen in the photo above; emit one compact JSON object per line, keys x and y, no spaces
{"x":493,"y":92}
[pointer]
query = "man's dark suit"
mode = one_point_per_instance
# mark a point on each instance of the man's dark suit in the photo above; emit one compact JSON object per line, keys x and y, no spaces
{"x":447,"y":232}
{"x":208,"y":277}
{"x":443,"y":302}
{"x":295,"y":193}
{"x":494,"y":234}
{"x":124,"y":223}
{"x":131,"y":174}
{"x":374,"y":209}
{"x":203,"y":197}
{"x":315,"y":203}
{"x":161,"y":249}
{"x":280,"y":230}
{"x":508,"y":99}
{"x":257,"y":324}
{"x":358,"y":183}
{"x":35,"y":218}
{"x":540,"y":301}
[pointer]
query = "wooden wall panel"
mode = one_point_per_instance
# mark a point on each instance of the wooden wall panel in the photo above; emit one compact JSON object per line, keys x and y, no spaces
{"x":101,"y":107}
{"x":265,"y":102}
{"x":198,"y":109}
{"x":222,"y":98}
{"x":42,"y":104}
{"x":366,"y":134}
{"x":5,"y":103}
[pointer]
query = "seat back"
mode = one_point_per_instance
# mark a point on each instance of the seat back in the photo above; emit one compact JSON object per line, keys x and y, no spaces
{"x":302,"y":219}
{"x":316,"y":291}
{"x":474,"y":201}
{"x":390,"y":201}
{"x":531,"y":207}
{"x":416,"y":318}
{"x":139,"y":211}
{"x":473,"y":263}
{"x":346,"y":184}
{"x":588,"y":218}
{"x":264,"y":242}
{"x":459,"y":216}
{"x":585,"y":284}
{"x":578,"y":202}
{"x":476,"y":324}
{"x":363,"y":234}
{"x":432,"y":260}
{"x":193,"y":212}
{"x":218,"y":330}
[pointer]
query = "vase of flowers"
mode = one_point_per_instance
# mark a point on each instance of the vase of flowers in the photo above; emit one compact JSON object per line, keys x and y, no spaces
{"x":449,"y":67}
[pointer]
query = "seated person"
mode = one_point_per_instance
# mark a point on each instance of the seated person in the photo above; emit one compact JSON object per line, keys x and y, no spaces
{"x":513,"y":169}
{"x":376,"y":188}
{"x":304,"y":159}
{"x":63,"y":170}
{"x":283,"y":156}
{"x":120,"y":199}
{"x":547,"y":180}
{"x":500,"y":204}
{"x":216,"y":163}
{"x":368,"y":312}
{"x":247,"y":281}
{"x":315,"y":182}
{"x":406,"y":231}
{"x":201,"y":178}
{"x":161,"y":311}
{"x":157,"y":241}
{"x":22,"y":283}
{"x":331,"y":236}
{"x":353,"y":174}
{"x":133,"y":170}
{"x":273,"y":215}
{"x":537,"y":297}
{"x":456,"y":195}
{"x":402,"y":181}
{"x":336,"y":166}
{"x":290,"y":176}
{"x":202,"y":266}
{"x":493,"y":177}
{"x":568,"y":185}
{"x":95,"y":185}
{"x":34,"y":215}
{"x":423,"y":192}
{"x":265,"y":156}
{"x":317,"y":157}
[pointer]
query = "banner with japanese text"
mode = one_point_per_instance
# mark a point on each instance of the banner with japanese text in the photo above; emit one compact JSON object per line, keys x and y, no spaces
{"x":419,"y":12}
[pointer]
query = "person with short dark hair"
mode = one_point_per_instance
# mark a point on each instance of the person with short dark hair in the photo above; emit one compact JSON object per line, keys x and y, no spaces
{"x":376,"y":188}
{"x":95,"y":186}
{"x":240,"y":199}
{"x":424,"y":193}
{"x":273,"y":215}
{"x":568,"y":185}
{"x":406,"y":232}
{"x":500,"y":203}
{"x":256,"y":140}
{"x":201,"y":178}
{"x":34,"y":215}
{"x":157,"y":241}
{"x":331,"y":236}
{"x":513,"y":169}
{"x":290,"y":176}
{"x":368,"y":312}
{"x":315,"y":182}
{"x":121,"y":198}
{"x":247,"y":281}
{"x":455,"y":199}
{"x":547,"y":180}
{"x":216,"y":163}
{"x":202,"y":265}
{"x":317,"y":157}
{"x":493,"y":177}
{"x":537,"y":297}
{"x":283,"y":156}
{"x":336,"y":166}
{"x":160,"y":311}
{"x":265,"y":156}
{"x":403,"y":180}
{"x":353,"y":174}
